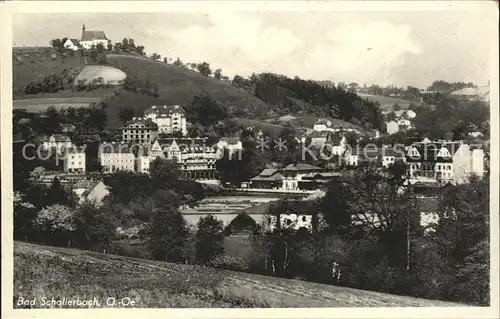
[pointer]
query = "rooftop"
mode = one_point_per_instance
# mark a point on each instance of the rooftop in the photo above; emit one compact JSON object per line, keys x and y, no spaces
{"x":93,"y":35}
{"x":164,"y":110}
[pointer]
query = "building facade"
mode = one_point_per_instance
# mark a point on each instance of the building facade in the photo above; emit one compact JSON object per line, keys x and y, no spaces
{"x":169,"y":118}
{"x":115,"y":157}
{"x":73,"y":160}
{"x":93,"y":38}
{"x":140,"y":131}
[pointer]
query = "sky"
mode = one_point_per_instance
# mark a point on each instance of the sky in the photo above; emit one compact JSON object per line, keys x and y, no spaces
{"x":368,"y":47}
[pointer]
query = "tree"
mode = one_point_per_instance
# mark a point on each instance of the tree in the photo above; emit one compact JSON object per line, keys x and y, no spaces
{"x":218,"y":74}
{"x":204,"y":69}
{"x":55,"y":224}
{"x":125,"y":45}
{"x":24,"y":215}
{"x":58,"y":195}
{"x":155,"y":56}
{"x":205,"y":110}
{"x":94,"y":228}
{"x":165,"y":174}
{"x":56,"y":43}
{"x":168,"y":233}
{"x":178,"y":63}
{"x":165,"y":60}
{"x":127,"y":185}
{"x":163,"y":199}
{"x":126,"y":113}
{"x":396,"y":107}
{"x":209,"y":239}
{"x":375,"y":206}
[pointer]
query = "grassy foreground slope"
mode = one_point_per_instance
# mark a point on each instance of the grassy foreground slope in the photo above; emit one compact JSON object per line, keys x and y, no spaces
{"x":48,"y":271}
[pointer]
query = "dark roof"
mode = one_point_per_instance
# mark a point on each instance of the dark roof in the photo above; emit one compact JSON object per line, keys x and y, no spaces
{"x":147,"y":122}
{"x":93,"y":35}
{"x":326,"y":175}
{"x":272,"y":178}
{"x":268,"y":172}
{"x":302,"y":167}
{"x":429,"y":152}
{"x":164,"y":110}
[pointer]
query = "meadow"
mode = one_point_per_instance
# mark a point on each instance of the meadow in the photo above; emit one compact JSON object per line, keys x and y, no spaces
{"x":386,"y":102}
{"x":84,"y":274}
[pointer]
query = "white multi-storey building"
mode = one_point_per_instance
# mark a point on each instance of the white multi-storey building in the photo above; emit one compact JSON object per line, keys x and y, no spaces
{"x":73,"y":160}
{"x":169,"y":118}
{"x":116,"y":157}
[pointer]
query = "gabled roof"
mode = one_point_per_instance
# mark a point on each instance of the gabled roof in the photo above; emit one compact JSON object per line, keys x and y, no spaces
{"x":93,"y":35}
{"x":138,"y":120}
{"x":164,"y":110}
{"x":268,"y":172}
{"x":90,"y":188}
{"x":74,"y":41}
{"x":271,"y":178}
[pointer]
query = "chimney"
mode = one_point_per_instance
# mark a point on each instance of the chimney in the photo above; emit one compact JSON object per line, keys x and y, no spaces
{"x":83,"y":30}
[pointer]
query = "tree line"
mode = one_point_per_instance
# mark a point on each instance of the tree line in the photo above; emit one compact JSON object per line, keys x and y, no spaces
{"x":365,"y":233}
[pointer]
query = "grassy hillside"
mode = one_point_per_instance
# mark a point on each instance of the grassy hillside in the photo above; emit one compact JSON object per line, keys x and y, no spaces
{"x":34,"y":64}
{"x":179,"y":85}
{"x":309,"y":120}
{"x":158,"y":284}
{"x":386,"y":102}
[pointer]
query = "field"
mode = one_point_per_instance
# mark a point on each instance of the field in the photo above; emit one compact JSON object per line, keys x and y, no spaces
{"x":386,"y":102}
{"x":36,"y":65}
{"x":269,"y":129}
{"x":41,"y":271}
{"x":109,"y":74}
{"x":179,"y":85}
{"x":62,"y":99}
{"x":309,"y":120}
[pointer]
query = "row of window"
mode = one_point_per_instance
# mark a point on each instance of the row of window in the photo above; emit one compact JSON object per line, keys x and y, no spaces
{"x":126,"y":136}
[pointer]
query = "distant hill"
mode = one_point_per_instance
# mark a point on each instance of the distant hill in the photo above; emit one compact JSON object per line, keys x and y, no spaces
{"x":166,"y":285}
{"x":480,"y":92}
{"x":386,"y":102}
